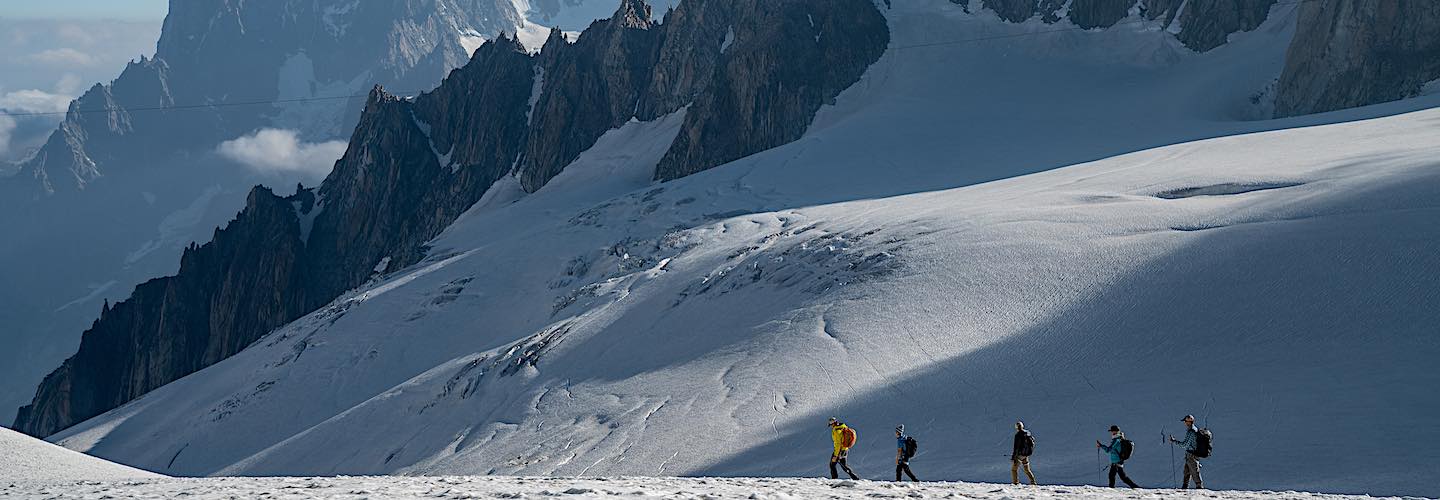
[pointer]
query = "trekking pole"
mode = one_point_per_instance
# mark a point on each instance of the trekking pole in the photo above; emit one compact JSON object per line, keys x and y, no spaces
{"x":1099,"y":467}
{"x":1174,"y":482}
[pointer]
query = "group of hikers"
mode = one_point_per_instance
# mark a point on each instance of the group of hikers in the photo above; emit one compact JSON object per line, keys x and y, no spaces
{"x":1196,"y":444}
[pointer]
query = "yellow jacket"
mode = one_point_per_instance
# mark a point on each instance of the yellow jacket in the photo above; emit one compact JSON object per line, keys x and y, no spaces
{"x":837,"y":435}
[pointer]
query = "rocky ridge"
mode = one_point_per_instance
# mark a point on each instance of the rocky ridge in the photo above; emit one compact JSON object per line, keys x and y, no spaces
{"x":414,"y":165}
{"x":1349,"y":53}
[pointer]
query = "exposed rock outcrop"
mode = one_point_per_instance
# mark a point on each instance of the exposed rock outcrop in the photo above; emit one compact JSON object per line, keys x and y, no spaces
{"x":171,"y":327}
{"x":591,"y":86}
{"x":1199,"y":24}
{"x":780,"y":65}
{"x":753,"y":73}
{"x":1349,"y":53}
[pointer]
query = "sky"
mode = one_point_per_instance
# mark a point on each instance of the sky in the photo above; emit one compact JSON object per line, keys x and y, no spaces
{"x":53,"y":50}
{"x":84,"y":9}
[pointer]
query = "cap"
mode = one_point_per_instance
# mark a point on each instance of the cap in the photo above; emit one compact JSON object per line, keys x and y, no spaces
{"x":1114,"y":428}
{"x":900,"y":428}
{"x":833,"y":421}
{"x":1187,"y":417}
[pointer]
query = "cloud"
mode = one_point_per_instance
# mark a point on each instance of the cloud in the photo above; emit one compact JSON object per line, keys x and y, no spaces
{"x":63,"y":56}
{"x":279,"y":151}
{"x":7,"y":126}
{"x":34,"y":101}
{"x":21,"y":134}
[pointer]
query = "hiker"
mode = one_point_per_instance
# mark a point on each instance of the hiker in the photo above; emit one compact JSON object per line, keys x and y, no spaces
{"x":844,"y":438}
{"x":1020,"y":454}
{"x":1196,"y":448}
{"x":1119,"y":450}
{"x":904,"y":451}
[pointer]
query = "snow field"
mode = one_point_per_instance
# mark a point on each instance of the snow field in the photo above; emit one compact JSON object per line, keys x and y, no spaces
{"x":23,"y":458}
{"x":1276,"y":280}
{"x":459,"y":487}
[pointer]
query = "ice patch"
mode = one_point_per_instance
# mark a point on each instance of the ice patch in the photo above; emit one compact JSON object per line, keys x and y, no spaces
{"x":307,"y":219}
{"x":729,"y":39}
{"x":471,"y":40}
{"x":1431,"y":87}
{"x":176,"y":226}
{"x":537,"y":88}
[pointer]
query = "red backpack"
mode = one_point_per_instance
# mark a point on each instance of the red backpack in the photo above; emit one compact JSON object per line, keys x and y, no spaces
{"x":847,"y":437}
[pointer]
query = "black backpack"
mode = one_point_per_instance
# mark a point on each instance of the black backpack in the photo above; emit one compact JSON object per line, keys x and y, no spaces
{"x":1126,"y":448}
{"x":1202,"y":443}
{"x":1027,"y":445}
{"x":910,"y":446}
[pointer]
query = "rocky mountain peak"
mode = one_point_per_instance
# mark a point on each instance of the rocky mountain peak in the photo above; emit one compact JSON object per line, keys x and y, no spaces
{"x":633,"y":14}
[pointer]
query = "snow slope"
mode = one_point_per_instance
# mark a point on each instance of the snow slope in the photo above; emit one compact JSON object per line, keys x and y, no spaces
{"x":32,"y":461}
{"x":531,"y":487}
{"x":1274,"y":278}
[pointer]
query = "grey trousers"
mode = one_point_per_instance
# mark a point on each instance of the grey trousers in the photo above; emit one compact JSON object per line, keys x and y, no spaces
{"x":1192,"y":470}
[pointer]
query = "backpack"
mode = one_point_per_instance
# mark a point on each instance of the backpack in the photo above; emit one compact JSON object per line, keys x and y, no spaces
{"x":1027,"y":446}
{"x":910,"y":446}
{"x":847,"y":437}
{"x":1202,"y":444}
{"x":1126,"y":448}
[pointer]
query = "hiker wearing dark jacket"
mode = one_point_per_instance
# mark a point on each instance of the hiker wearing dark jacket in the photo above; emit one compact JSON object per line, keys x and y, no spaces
{"x":1020,"y":454}
{"x":1192,"y":458}
{"x":902,"y":458}
{"x":1117,"y":460}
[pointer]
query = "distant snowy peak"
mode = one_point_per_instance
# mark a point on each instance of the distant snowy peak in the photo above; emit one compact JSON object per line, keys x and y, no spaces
{"x":576,"y":15}
{"x":224,"y":52}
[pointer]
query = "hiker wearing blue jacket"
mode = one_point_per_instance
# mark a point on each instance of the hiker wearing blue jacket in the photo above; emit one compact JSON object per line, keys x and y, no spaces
{"x":1119,"y":450}
{"x":903,"y":454}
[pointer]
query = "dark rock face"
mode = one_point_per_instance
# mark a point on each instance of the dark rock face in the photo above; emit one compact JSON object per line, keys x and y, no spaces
{"x":1203,"y":24}
{"x":590,"y":87}
{"x":1349,"y":53}
{"x":171,"y":327}
{"x":752,"y":72}
{"x":1206,"y":24}
{"x":783,"y":61}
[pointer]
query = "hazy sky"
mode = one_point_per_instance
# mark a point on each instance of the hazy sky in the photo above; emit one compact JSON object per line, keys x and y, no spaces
{"x":52,"y":50}
{"x":73,"y":9}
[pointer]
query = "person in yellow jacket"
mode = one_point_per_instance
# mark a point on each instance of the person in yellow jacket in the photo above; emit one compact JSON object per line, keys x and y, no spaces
{"x":843,"y":437}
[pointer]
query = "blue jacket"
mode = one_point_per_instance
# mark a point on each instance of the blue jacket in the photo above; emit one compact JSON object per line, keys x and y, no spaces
{"x":1114,"y":449}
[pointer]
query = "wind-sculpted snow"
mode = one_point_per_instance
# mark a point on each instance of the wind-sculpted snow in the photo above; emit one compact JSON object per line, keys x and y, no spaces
{"x":458,"y":487}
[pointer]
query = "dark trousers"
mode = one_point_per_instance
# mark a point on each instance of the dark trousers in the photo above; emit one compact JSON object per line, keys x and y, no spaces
{"x":1119,"y":470}
{"x":905,"y":467}
{"x":840,"y":459}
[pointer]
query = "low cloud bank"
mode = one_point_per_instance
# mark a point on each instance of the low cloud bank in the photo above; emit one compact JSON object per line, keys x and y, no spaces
{"x":279,"y":151}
